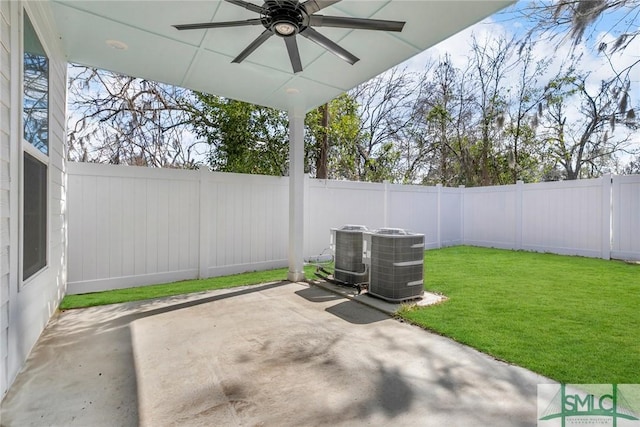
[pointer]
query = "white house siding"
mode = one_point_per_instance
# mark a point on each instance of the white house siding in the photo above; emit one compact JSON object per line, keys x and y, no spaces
{"x":5,"y":185}
{"x":27,"y":307}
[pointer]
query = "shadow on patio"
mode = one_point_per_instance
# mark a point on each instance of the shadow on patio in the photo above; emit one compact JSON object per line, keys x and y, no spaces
{"x":277,"y":354}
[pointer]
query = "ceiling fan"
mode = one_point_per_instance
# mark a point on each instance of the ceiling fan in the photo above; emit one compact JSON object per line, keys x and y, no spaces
{"x":288,"y":18}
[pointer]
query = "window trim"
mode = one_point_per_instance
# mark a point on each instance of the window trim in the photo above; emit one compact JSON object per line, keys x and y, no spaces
{"x":27,"y":147}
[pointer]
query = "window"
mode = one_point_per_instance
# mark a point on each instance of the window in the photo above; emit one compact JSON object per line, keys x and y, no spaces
{"x":35,"y":115}
{"x":35,"y":118}
{"x":35,"y":216}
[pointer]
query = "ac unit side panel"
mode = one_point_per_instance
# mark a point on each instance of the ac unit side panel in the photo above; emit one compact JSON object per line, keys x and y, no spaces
{"x":349,"y":266}
{"x":397,"y":267}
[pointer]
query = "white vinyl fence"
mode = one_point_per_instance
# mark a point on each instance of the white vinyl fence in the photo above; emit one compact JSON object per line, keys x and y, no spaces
{"x":131,"y":226}
{"x":569,"y":217}
{"x":625,"y":230}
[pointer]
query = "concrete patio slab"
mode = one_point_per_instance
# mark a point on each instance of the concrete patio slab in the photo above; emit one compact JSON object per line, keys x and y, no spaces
{"x":284,"y":354}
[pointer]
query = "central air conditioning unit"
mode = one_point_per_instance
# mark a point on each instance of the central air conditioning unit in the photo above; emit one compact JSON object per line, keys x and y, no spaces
{"x":396,"y":264}
{"x":346,"y":243}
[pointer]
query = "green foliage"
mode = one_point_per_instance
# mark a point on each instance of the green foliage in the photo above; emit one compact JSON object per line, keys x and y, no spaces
{"x":380,"y":167}
{"x":438,"y":114}
{"x":344,"y":135}
{"x":244,"y":138}
{"x":572,"y":319}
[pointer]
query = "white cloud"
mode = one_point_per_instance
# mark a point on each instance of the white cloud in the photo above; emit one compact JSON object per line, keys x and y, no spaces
{"x":597,"y":65}
{"x":457,"y":46}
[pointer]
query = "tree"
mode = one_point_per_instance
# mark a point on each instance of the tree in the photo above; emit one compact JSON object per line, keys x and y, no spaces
{"x":385,"y":104}
{"x":633,"y":167}
{"x":586,"y":143}
{"x":336,"y":124}
{"x":439,"y":133}
{"x":522,"y":118}
{"x":574,"y":18}
{"x":491,"y":61}
{"x":244,"y":138}
{"x":124,"y":120}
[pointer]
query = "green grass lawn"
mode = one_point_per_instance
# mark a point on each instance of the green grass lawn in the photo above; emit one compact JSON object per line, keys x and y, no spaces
{"x":573,"y":319}
{"x":176,"y":288}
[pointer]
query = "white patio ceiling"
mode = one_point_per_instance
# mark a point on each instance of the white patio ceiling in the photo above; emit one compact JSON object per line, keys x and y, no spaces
{"x":201,"y":59}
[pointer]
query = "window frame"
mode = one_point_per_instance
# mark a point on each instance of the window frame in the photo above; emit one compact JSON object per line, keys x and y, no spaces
{"x":26,"y":147}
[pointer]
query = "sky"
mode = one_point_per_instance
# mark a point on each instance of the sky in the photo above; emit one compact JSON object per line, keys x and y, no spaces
{"x":510,"y":23}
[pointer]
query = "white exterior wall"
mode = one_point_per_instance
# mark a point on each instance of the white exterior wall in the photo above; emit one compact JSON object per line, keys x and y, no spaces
{"x":5,"y":188}
{"x":27,"y":307}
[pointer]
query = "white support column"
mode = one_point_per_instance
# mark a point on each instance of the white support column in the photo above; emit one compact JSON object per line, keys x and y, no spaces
{"x":296,"y":195}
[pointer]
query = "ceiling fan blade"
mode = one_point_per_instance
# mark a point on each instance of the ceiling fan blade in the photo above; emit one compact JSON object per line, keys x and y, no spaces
{"x":251,"y":6}
{"x":356,"y":23}
{"x":331,"y":46}
{"x":294,"y":53}
{"x":253,"y":46}
{"x":206,"y":25}
{"x":313,"y":6}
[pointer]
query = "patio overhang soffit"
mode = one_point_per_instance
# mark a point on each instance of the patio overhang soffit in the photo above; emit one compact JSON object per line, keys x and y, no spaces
{"x":137,"y":38}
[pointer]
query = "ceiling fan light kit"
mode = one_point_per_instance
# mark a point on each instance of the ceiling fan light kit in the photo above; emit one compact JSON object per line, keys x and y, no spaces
{"x":288,"y":18}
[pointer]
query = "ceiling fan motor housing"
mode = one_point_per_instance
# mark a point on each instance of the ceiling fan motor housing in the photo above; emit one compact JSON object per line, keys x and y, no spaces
{"x":284,"y":18}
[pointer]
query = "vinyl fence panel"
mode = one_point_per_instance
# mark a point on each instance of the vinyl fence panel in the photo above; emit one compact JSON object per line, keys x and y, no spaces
{"x":451,"y":213}
{"x":416,"y":209}
{"x":332,"y":204}
{"x":489,"y":217}
{"x":568,"y":217}
{"x":247,"y":218}
{"x":132,"y":226}
{"x":626,"y":218}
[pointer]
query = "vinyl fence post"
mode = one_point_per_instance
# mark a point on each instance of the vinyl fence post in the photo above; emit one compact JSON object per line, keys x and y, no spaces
{"x":518,"y":230}
{"x":462,"y":191}
{"x":439,"y":215}
{"x":605,"y":250}
{"x":203,"y":232}
{"x":385,"y":219}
